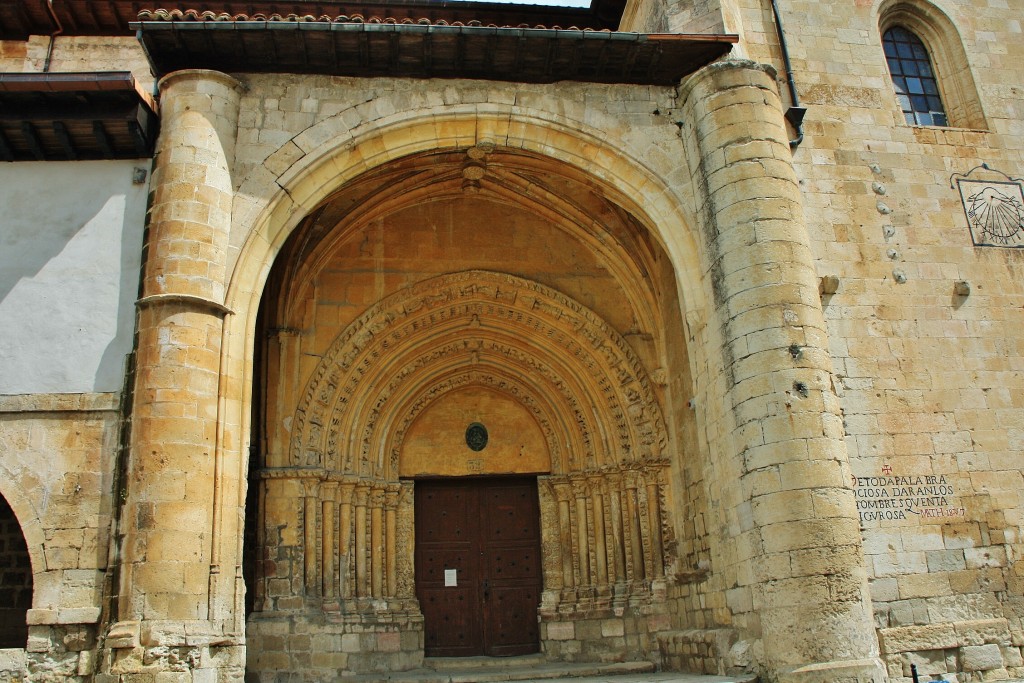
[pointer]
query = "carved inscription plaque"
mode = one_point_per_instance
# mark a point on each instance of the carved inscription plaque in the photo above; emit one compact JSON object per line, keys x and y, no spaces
{"x":893,"y":497}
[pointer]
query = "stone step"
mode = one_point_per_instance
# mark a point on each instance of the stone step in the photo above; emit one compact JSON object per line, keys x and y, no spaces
{"x":540,"y":670}
{"x":456,"y":664}
{"x":535,"y":669}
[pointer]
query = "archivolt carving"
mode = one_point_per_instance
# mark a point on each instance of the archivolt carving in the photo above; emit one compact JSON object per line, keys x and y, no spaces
{"x":605,"y":547}
{"x":389,"y":363}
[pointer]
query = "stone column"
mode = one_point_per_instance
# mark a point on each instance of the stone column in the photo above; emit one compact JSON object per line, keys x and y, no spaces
{"x":635,"y":562}
{"x":392,"y":541}
{"x":346,"y":586}
{"x":563,"y":495}
{"x":600,"y":541}
{"x":583,"y":533}
{"x":618,"y":563}
{"x":654,"y":520}
{"x":405,"y":553}
{"x":173,"y":496}
{"x":377,"y":559}
{"x":362,"y":584}
{"x":328,"y":549}
{"x":310,"y":547}
{"x":792,"y":508}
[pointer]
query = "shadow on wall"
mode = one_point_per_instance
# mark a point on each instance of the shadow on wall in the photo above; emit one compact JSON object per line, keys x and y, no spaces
{"x":70,"y":249}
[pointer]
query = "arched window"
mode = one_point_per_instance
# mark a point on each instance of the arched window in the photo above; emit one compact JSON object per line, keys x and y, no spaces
{"x":913,"y":77}
{"x":15,"y":580}
{"x":929,"y":67}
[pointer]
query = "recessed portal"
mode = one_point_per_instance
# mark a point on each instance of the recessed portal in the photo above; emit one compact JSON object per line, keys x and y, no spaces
{"x":505,"y":352}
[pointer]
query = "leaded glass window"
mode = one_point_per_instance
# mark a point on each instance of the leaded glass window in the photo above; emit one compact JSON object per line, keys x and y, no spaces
{"x":913,"y":77}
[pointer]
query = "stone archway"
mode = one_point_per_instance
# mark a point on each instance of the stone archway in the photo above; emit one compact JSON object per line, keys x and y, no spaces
{"x":487,"y":329}
{"x":370,"y":339}
{"x":646,"y":197}
{"x":16,"y":589}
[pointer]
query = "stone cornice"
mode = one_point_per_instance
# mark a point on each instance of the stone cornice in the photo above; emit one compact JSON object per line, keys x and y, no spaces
{"x":186,"y":300}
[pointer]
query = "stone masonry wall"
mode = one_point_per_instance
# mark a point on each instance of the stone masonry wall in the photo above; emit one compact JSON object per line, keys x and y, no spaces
{"x":78,"y":53}
{"x":928,"y":371}
{"x":56,"y":465}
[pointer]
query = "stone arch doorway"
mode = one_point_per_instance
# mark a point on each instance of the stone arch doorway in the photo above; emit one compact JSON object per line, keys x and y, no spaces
{"x":462,"y":286}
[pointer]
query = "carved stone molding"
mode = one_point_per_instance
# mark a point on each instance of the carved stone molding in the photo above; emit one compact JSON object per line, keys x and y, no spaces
{"x":567,"y":366}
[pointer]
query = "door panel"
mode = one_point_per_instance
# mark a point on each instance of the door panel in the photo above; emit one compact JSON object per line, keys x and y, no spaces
{"x":510,"y":558}
{"x":510,"y":616}
{"x":453,"y":629}
{"x":446,"y":533}
{"x":488,"y":532}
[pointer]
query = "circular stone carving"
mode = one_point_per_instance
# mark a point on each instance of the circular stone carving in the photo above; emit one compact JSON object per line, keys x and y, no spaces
{"x":476,"y":437}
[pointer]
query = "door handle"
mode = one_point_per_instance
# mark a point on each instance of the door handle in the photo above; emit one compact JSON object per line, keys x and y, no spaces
{"x":487,"y":589}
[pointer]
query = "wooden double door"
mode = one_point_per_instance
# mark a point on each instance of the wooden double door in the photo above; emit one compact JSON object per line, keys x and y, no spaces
{"x":478,"y":570}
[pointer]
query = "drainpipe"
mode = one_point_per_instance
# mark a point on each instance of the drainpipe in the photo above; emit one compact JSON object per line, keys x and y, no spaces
{"x":795,"y":113}
{"x":53,"y":36}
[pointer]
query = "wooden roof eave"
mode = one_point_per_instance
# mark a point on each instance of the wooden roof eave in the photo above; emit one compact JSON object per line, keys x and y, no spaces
{"x":484,"y":52}
{"x":75,"y":116}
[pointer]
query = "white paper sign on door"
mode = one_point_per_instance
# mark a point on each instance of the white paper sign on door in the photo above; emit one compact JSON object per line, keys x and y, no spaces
{"x":450,"y":578}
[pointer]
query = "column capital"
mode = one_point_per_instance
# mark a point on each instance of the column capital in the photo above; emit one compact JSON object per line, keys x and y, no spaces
{"x":728,"y":73}
{"x":208,"y":75}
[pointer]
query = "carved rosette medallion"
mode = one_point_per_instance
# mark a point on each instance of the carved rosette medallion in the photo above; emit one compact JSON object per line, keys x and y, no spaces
{"x":476,"y":437}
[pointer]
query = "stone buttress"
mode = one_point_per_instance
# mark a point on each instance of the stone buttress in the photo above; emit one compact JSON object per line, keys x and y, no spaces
{"x":169,"y":617}
{"x":783,"y":472}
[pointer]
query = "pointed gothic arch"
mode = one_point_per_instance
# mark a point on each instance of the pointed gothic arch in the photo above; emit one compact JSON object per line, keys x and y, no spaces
{"x":941,"y":40}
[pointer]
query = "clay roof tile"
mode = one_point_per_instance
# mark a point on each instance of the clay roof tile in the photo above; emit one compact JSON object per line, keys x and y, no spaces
{"x":193,"y":15}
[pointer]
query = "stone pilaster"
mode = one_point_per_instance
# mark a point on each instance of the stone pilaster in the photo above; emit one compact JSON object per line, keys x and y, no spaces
{"x":791,"y":514}
{"x":173,"y":504}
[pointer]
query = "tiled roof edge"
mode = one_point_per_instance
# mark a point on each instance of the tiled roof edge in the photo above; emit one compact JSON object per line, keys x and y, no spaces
{"x":193,"y":16}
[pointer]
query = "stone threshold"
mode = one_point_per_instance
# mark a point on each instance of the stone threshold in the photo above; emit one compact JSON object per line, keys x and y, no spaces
{"x":535,"y":668}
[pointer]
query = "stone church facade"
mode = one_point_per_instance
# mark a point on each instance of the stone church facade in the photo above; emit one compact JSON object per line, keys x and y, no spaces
{"x":690,"y":334}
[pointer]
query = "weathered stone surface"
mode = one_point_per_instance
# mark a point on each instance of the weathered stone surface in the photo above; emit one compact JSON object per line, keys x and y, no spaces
{"x":981,"y":657}
{"x":718,"y":439}
{"x":912,"y":638}
{"x":983,"y":631}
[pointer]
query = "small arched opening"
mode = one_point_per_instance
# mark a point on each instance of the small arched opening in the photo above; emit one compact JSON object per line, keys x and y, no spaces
{"x":15,"y":580}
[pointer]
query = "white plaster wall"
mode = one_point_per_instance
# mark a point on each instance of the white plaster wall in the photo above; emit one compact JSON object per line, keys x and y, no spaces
{"x":70,"y":249}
